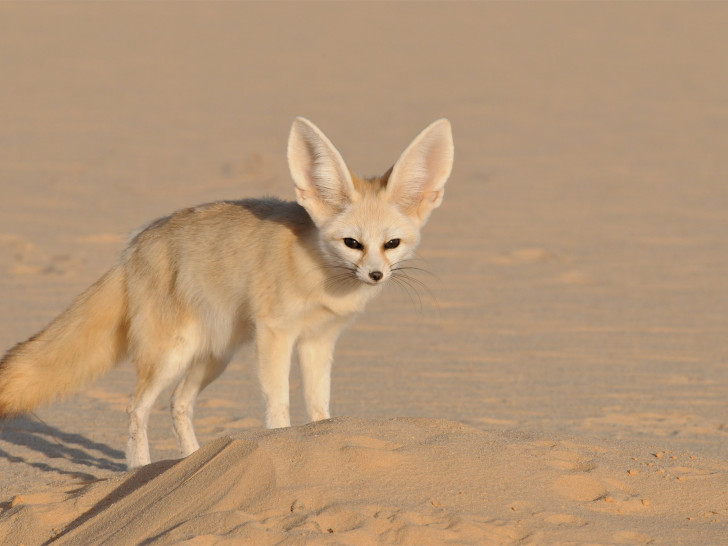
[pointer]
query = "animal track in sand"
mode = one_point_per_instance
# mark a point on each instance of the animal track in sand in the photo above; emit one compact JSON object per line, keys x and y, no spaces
{"x":581,"y":488}
{"x":407,"y":527}
{"x":585,"y":481}
{"x":332,"y":519}
{"x":566,"y":460}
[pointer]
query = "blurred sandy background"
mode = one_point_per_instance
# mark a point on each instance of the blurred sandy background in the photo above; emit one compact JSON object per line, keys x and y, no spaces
{"x":579,"y":263}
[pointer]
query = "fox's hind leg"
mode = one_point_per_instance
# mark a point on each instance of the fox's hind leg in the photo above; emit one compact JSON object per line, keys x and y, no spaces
{"x":137,"y":447}
{"x":155,"y":374}
{"x":200,"y":374}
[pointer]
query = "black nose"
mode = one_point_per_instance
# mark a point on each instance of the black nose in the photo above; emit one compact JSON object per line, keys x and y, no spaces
{"x":376,"y":276}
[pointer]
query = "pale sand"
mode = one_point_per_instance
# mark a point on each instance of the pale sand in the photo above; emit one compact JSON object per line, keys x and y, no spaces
{"x":573,"y":333}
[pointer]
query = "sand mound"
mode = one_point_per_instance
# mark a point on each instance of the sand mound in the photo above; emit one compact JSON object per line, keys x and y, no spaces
{"x":355,"y":481}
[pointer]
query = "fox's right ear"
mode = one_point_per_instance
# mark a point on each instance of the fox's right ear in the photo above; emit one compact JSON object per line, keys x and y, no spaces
{"x":323,"y":181}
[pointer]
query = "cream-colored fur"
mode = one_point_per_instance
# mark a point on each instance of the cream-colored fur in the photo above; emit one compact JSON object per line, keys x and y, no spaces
{"x":192,"y":287}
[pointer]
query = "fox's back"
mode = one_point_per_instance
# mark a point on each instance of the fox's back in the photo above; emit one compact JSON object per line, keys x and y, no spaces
{"x":229,"y":217}
{"x":214,"y":253}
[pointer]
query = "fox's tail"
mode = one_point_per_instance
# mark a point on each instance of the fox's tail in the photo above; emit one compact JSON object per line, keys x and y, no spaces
{"x":84,"y":342}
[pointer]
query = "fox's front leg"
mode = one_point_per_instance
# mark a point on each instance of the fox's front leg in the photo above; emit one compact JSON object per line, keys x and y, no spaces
{"x":274,"y":366}
{"x":315,"y":355}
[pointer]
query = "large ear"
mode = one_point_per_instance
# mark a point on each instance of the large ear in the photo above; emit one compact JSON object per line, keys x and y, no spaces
{"x":417,"y":182}
{"x":323,"y":181}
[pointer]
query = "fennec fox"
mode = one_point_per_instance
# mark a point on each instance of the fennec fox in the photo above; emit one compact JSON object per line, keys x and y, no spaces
{"x":192,"y":287}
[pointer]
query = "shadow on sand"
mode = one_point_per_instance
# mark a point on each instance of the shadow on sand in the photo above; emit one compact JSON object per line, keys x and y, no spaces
{"x":54,"y":443}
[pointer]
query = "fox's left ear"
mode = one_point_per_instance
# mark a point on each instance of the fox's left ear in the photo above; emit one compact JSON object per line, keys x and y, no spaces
{"x":417,"y":182}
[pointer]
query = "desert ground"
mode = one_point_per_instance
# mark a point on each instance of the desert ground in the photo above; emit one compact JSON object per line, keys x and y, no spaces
{"x":561,"y":376}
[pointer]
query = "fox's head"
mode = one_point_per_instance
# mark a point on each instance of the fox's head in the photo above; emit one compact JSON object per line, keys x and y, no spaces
{"x":369,"y":227}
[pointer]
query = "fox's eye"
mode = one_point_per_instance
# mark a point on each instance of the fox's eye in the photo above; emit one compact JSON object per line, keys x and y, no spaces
{"x":392,"y":243}
{"x":353,"y":243}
